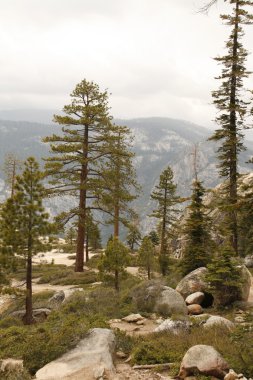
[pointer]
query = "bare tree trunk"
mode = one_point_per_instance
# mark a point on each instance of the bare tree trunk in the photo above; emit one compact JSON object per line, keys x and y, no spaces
{"x":28,"y":317}
{"x":82,"y":206}
{"x":233,"y":131}
{"x":87,"y":247}
{"x":116,"y":280}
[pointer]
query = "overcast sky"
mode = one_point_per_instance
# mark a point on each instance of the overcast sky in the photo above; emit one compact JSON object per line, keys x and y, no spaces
{"x":155,"y":57}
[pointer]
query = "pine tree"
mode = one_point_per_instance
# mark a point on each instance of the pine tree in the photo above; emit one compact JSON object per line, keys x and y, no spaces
{"x":134,"y":236}
{"x":233,"y":110}
{"x":154,"y":237}
{"x":165,"y":196}
{"x":24,"y":222}
{"x":196,"y":232}
{"x":11,"y":168}
{"x":146,"y":255}
{"x":75,"y":153}
{"x":115,"y":259}
{"x":224,"y":276}
{"x":116,"y":183}
{"x":70,"y":237}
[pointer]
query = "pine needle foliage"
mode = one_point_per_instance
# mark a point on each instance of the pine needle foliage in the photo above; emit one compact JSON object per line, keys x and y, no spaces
{"x":233,"y":108}
{"x":198,"y":247}
{"x":146,"y":255}
{"x":116,"y":185}
{"x":71,"y":167}
{"x":24,"y":222}
{"x":224,"y":276}
{"x":114,"y":260}
{"x":165,"y":197}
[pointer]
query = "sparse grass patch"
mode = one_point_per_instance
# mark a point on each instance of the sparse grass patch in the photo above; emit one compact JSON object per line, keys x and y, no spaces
{"x":167,"y":347}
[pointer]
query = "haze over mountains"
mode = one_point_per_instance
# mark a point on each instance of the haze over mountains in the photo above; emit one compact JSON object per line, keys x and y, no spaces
{"x":158,"y":142}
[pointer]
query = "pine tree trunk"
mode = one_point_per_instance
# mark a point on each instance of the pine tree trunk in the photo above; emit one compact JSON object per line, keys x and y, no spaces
{"x":116,"y":221}
{"x":82,"y":207}
{"x":233,"y":132}
{"x":116,"y":280}
{"x":28,"y":318}
{"x":87,"y":247}
{"x":149,"y":274}
{"x":162,"y":251}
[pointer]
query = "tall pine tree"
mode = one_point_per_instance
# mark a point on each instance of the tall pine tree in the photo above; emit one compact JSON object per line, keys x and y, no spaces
{"x":233,"y":110}
{"x":75,"y":153}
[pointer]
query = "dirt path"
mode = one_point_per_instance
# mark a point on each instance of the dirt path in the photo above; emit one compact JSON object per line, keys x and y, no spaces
{"x":56,"y":257}
{"x":37,"y":288}
{"x":126,"y":372}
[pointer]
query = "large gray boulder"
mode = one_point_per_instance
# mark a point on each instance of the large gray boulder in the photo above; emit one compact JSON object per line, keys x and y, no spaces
{"x":204,"y":360}
{"x":193,"y":282}
{"x":90,"y":360}
{"x":170,"y":302}
{"x":153,"y":296}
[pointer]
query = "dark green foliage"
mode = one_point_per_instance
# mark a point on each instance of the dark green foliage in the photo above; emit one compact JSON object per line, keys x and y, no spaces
{"x":224,"y":276}
{"x":114,"y":260}
{"x":198,"y":247}
{"x":165,"y":197}
{"x":154,"y":237}
{"x":116,"y":185}
{"x":146,"y":255}
{"x":24,"y":222}
{"x":134,"y":236}
{"x":233,"y":110}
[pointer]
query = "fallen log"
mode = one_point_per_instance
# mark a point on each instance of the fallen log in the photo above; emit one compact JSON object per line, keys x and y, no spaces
{"x":151,"y":366}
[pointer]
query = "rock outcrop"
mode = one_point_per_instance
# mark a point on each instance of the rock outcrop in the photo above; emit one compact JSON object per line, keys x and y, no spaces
{"x":90,"y":360}
{"x":193,"y":282}
{"x":153,"y":296}
{"x":204,"y":360}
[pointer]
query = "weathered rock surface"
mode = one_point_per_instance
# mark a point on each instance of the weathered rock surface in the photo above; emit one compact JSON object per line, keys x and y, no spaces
{"x":38,"y":314}
{"x":195,"y":298}
{"x":63,"y":295}
{"x":153,"y":296}
{"x":133,"y":318}
{"x":215,"y":320}
{"x":173,"y":326}
{"x":246,"y":284}
{"x":91,"y":359}
{"x":248,"y":261}
{"x":205,"y":360}
{"x":194,"y":309}
{"x":11,"y":365}
{"x":193,"y":282}
{"x":170,"y":302}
